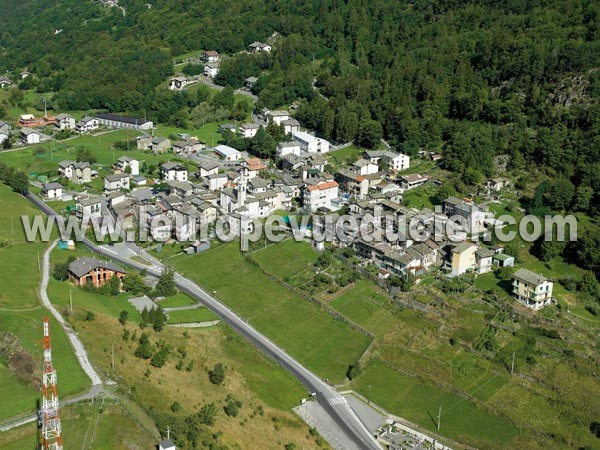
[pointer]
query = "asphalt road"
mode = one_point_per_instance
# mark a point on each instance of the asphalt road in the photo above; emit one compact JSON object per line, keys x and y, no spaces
{"x":335,"y":405}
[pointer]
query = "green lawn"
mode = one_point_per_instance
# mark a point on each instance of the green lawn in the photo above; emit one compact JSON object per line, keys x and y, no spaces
{"x":324,"y":344}
{"x":58,"y":291}
{"x":176,"y":300}
{"x":287,"y":258}
{"x":44,"y":157}
{"x":420,"y":197}
{"x":366,"y":305}
{"x":419,"y":402}
{"x":207,"y":133}
{"x":339,"y":157}
{"x":192,"y":315}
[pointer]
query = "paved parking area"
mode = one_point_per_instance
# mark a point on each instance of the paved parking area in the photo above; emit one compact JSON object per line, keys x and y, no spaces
{"x":140,"y":303}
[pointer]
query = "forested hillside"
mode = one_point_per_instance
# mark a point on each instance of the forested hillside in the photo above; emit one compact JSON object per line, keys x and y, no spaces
{"x":476,"y":79}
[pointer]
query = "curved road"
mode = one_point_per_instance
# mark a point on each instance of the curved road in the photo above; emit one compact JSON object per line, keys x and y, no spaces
{"x":333,"y":403}
{"x":80,"y":352}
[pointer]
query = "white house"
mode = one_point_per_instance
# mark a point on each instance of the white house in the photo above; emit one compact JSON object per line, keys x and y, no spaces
{"x":211,"y":56}
{"x":216,"y":181}
{"x":125,"y":162}
{"x":172,"y":171}
{"x":87,"y":124}
{"x":116,"y":182}
{"x":310,"y":143}
{"x":167,"y":444}
{"x":248,"y":130}
{"x":365,"y":167}
{"x":211,"y":69}
{"x":532,"y":289}
{"x":5,"y":127}
{"x":290,"y":126}
{"x":3,"y":136}
{"x":484,"y":258}
{"x":288,"y":148}
{"x":208,"y":168}
{"x":227,"y":153}
{"x":52,"y":190}
{"x":30,"y":136}
{"x":256,"y":47}
{"x":5,"y":82}
{"x":88,"y":207}
{"x":277,"y":117}
{"x":65,"y":122}
{"x":320,"y":195}
{"x":413,"y":180}
{"x":178,"y":83}
{"x":395,"y":161}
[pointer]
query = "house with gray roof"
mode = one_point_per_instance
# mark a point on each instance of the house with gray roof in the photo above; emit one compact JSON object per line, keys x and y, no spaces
{"x":531,"y":289}
{"x":87,"y":271}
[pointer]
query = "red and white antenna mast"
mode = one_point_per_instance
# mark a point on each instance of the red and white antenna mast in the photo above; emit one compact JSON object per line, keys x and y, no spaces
{"x":50,"y":418}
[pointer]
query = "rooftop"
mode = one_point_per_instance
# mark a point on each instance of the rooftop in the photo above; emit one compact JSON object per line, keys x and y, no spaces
{"x":530,"y":277}
{"x":123,"y":119}
{"x":83,"y":266}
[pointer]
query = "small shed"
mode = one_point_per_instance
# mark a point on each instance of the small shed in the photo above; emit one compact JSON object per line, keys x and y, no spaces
{"x":503,"y":260}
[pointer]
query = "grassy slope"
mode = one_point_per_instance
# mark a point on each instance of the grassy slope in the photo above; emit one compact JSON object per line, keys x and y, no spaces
{"x":325,"y":345}
{"x":366,"y":305}
{"x":114,"y":429}
{"x":19,"y":278}
{"x":419,"y":402}
{"x":286,"y":259}
{"x":192,"y":315}
{"x":254,"y":379}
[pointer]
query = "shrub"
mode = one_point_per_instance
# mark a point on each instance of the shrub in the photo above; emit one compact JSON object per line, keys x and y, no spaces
{"x":353,"y":371}
{"x":217,"y":374}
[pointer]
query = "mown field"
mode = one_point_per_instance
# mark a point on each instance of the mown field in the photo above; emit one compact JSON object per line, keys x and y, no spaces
{"x":192,"y":315}
{"x":367,"y":305}
{"x":423,"y":359}
{"x":286,"y":259}
{"x":324,"y":344}
{"x":44,"y":157}
{"x":419,"y":402}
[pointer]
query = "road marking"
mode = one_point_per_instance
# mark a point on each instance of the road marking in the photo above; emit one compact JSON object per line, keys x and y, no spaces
{"x":337,"y":400}
{"x":108,"y":250}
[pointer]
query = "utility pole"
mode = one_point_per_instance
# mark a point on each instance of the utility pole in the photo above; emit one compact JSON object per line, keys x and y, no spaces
{"x":512,"y":367}
{"x":39,"y":267}
{"x":112,"y":356}
{"x":70,"y":299}
{"x":12,"y":226}
{"x":439,"y":417}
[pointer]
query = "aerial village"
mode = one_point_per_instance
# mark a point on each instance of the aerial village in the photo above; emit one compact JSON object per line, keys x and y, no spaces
{"x":219,"y":181}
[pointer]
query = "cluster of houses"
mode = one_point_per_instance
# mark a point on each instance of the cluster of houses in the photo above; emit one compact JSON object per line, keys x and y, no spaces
{"x":33,"y":130}
{"x":210,"y":60}
{"x":225,"y":182}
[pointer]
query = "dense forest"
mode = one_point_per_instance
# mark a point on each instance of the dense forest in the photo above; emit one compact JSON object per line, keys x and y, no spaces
{"x":479,"y":80}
